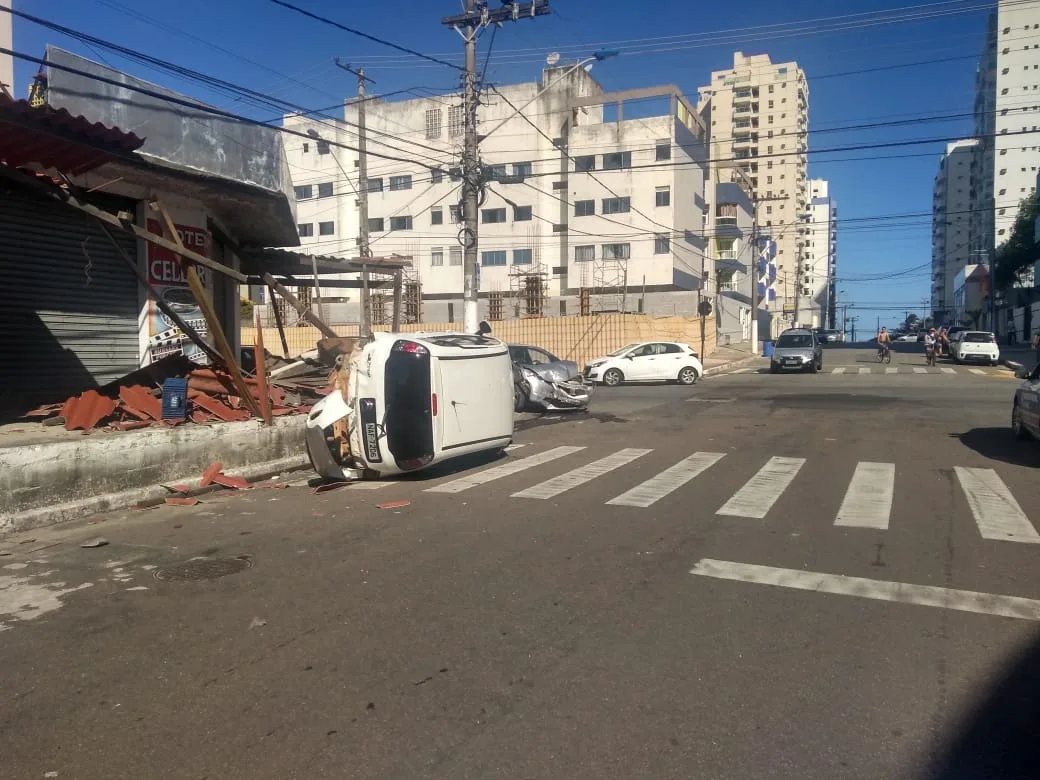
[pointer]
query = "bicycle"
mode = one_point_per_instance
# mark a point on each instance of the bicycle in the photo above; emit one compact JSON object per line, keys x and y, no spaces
{"x":884,"y":354}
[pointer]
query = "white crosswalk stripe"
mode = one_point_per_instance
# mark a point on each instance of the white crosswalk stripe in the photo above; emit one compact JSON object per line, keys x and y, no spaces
{"x":919,"y":370}
{"x":669,"y":480}
{"x":868,"y":501}
{"x":891,"y":370}
{"x":760,"y":492}
{"x":977,"y":371}
{"x":838,"y":370}
{"x":864,"y":370}
{"x":996,"y":511}
{"x":579,"y":476}
{"x":505,"y":470}
{"x":948,"y":370}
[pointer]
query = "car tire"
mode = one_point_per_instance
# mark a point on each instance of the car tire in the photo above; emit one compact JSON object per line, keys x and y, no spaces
{"x":1017,"y":429}
{"x":774,"y":370}
{"x":613,"y":377}
{"x":687,"y":376}
{"x":519,"y":399}
{"x":812,"y":367}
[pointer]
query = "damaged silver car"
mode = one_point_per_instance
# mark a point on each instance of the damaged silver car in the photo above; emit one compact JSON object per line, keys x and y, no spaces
{"x":542,"y":380}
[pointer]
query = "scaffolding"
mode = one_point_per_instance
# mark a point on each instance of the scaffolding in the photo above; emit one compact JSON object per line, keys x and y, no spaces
{"x":529,"y":285}
{"x":609,"y":284}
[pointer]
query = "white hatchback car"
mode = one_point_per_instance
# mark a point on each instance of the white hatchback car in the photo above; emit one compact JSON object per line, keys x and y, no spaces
{"x":650,"y":361}
{"x":975,"y":346}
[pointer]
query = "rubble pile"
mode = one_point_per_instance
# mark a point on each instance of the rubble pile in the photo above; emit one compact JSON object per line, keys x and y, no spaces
{"x":152,"y":396}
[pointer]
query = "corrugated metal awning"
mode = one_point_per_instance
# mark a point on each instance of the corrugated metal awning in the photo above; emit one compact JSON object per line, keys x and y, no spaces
{"x":55,"y":139}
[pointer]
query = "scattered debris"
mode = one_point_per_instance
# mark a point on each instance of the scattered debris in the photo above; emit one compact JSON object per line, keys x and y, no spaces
{"x":180,"y":487}
{"x":27,"y":541}
{"x":239,"y":483}
{"x":210,"y":473}
{"x":423,"y":681}
{"x":84,"y":411}
{"x":273,"y":485}
{"x":393,"y":504}
{"x":98,"y":542}
{"x":190,"y":501}
{"x":257,"y":623}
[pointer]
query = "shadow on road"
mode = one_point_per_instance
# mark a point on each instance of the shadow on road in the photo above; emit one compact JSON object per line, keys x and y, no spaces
{"x":999,"y":444}
{"x":998,"y":736}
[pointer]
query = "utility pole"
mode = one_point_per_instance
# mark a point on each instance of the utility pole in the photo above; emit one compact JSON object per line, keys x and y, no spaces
{"x":364,"y":251}
{"x":468,"y":25}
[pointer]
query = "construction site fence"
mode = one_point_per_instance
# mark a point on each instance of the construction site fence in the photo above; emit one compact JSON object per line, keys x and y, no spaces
{"x":569,"y":338}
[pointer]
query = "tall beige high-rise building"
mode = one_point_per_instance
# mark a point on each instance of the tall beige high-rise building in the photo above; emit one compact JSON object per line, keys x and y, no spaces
{"x":758,"y":120}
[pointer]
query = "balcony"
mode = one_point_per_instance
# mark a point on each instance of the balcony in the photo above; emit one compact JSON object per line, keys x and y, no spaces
{"x":742,"y":96}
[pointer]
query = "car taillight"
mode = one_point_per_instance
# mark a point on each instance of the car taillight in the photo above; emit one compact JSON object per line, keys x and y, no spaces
{"x":410,"y":347}
{"x":433,"y":403}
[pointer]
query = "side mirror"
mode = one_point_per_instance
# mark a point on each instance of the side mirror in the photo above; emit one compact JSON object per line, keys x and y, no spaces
{"x":1021,"y":374}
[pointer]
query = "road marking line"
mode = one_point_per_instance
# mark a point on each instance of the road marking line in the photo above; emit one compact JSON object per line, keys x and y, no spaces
{"x":996,"y":512}
{"x":977,"y":371}
{"x":579,"y":476}
{"x":669,"y":480}
{"x":742,"y":371}
{"x":512,"y":447}
{"x":919,"y":370}
{"x":864,"y":370}
{"x":868,"y":501}
{"x":948,"y":370}
{"x":891,"y":370}
{"x":760,"y":492}
{"x":503,"y":470}
{"x":370,"y":484}
{"x":900,"y":592}
{"x":840,"y":370}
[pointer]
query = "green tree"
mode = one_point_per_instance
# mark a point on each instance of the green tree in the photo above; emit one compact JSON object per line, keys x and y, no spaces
{"x":1020,"y":251}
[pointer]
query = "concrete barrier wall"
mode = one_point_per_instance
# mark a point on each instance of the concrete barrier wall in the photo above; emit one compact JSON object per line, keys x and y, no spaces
{"x":570,"y":338}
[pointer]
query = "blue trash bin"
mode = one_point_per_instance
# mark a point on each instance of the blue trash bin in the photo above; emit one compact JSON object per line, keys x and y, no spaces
{"x":767,"y":349}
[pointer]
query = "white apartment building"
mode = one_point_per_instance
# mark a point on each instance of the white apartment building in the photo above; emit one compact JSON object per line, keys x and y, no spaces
{"x":597,"y":211}
{"x":1007,"y":116}
{"x":759,"y":119}
{"x":952,"y":238}
{"x":817,"y":302}
{"x":735,"y":259}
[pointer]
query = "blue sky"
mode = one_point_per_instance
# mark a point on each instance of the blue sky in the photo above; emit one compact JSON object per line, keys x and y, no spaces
{"x":257,"y":44}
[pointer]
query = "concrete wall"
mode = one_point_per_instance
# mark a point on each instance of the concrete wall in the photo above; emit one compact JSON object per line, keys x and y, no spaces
{"x":571,"y":338}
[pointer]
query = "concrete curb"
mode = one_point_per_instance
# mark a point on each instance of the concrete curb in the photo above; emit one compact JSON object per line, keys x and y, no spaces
{"x":42,"y":484}
{"x":731,"y":365}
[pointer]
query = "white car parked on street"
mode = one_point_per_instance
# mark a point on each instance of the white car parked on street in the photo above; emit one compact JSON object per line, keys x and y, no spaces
{"x":650,"y":361}
{"x":975,"y":346}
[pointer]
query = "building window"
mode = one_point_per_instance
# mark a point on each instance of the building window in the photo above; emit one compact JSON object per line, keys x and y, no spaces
{"x":586,"y":162}
{"x":436,"y":256}
{"x":325,"y":190}
{"x":456,"y":213}
{"x":524,"y":169}
{"x":726,"y":214}
{"x":583,"y":254}
{"x":375,"y":225}
{"x":400,"y":223}
{"x":436,"y":176}
{"x":306,"y":148}
{"x":433,"y":123}
{"x":522,"y":214}
{"x":584,"y":208}
{"x":663,"y":150}
{"x":375,"y":185}
{"x":521,"y":257}
{"x":326,"y":228}
{"x":455,"y":255}
{"x":497,"y":171}
{"x":616,"y":251}
{"x":304,"y":192}
{"x":456,"y":121}
{"x":400,"y":183}
{"x":663,"y":196}
{"x":662,"y":244}
{"x":305,"y":229}
{"x":436,"y":215}
{"x":617,"y":205}
{"x":497,"y":257}
{"x":492,"y":216}
{"x":617,"y":160}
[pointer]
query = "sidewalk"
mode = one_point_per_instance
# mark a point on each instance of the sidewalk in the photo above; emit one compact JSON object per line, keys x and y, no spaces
{"x":1018,"y":356}
{"x":728,"y":358}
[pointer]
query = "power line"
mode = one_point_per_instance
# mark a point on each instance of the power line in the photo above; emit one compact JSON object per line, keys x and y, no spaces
{"x":366,"y":36}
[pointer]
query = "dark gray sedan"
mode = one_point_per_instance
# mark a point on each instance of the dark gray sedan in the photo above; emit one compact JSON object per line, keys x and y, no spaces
{"x":797,"y":349}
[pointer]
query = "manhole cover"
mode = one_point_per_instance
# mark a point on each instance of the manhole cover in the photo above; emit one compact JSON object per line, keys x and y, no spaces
{"x":202,"y":569}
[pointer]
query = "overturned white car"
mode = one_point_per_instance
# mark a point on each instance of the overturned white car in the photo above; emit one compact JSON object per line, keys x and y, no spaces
{"x":407,"y":401}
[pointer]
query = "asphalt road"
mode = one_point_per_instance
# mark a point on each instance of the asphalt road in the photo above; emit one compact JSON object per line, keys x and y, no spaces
{"x":870,"y":610}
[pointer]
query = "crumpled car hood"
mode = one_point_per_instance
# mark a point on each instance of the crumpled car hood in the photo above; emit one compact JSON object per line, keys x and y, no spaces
{"x":560,"y":371}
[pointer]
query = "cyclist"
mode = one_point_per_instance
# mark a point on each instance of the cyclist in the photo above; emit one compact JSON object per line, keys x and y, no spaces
{"x":931,"y":341}
{"x":884,"y":343}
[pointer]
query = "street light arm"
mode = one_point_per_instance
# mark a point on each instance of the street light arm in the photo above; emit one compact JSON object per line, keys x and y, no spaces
{"x":599,"y":56}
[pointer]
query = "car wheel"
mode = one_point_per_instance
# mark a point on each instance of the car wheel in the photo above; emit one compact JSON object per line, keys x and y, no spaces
{"x":1017,"y":429}
{"x":687,"y":376}
{"x":613,"y":377}
{"x":812,"y":367}
{"x":774,"y":370}
{"x":519,"y":401}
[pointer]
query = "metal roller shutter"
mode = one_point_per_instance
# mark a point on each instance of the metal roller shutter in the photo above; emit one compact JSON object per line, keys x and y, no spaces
{"x":68,"y":303}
